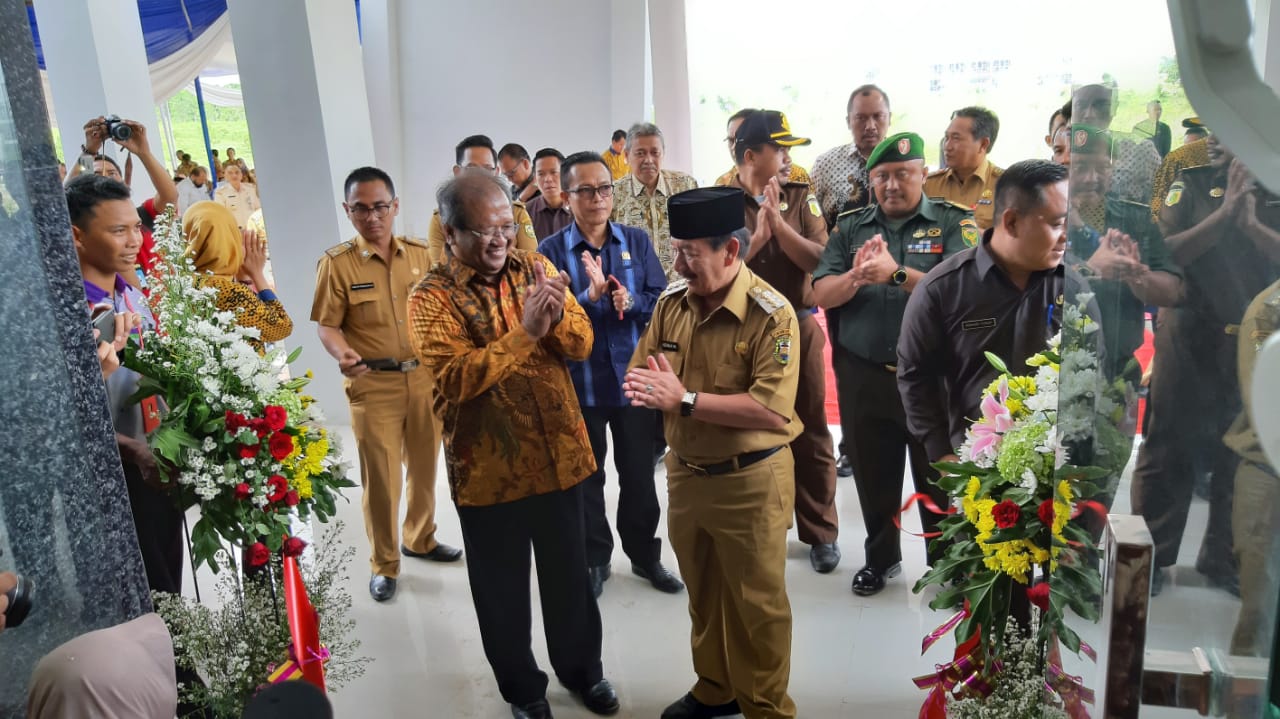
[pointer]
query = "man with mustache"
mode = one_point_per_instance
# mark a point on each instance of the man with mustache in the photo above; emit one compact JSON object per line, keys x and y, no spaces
{"x":969,"y":179}
{"x":790,"y":172}
{"x":640,"y":198}
{"x":1220,"y":227}
{"x":872,"y":262}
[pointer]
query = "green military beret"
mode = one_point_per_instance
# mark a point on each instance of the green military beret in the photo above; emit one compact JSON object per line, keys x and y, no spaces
{"x":897,"y":148}
{"x":1087,"y":139}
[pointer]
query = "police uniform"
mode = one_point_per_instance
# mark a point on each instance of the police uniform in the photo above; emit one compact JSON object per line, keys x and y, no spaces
{"x":815,"y":473}
{"x":391,"y":411}
{"x":1256,"y":511}
{"x":730,"y":490}
{"x":1194,"y":391}
{"x":872,"y":417}
{"x":526,"y":238}
{"x":976,"y":192}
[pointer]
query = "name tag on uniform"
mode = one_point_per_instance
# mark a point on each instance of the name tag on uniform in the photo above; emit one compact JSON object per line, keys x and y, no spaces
{"x":984,"y":201}
{"x":987,"y":324}
{"x":669,"y":346}
{"x":924,"y":248}
{"x":362,"y":286}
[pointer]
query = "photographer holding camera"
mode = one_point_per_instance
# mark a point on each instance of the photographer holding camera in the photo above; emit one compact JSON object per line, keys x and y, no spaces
{"x":131,"y":136}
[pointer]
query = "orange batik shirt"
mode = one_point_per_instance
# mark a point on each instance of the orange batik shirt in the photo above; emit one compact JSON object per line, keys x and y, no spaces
{"x":512,"y":425}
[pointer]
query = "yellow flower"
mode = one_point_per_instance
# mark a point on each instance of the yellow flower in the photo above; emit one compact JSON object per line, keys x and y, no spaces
{"x":302,"y":483}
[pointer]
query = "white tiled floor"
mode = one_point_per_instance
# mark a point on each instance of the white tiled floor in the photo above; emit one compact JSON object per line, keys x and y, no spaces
{"x":851,"y":656}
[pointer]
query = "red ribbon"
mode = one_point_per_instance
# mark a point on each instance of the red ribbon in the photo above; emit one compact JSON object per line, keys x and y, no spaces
{"x":929,"y":504}
{"x":304,"y":629}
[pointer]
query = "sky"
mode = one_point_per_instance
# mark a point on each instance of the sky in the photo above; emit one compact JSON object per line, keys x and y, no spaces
{"x":804,"y":56}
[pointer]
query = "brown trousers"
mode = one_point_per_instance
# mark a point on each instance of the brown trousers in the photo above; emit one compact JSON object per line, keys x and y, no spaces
{"x":816,"y":520}
{"x":395,"y":429}
{"x":1255,"y":517}
{"x":729,"y":533}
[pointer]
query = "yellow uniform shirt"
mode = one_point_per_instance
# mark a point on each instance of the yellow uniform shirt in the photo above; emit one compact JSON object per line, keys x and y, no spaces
{"x":976,"y":192}
{"x":618,"y":165}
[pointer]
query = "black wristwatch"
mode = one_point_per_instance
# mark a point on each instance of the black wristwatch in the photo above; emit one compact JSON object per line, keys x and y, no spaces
{"x":687,"y":404}
{"x":899,"y":277}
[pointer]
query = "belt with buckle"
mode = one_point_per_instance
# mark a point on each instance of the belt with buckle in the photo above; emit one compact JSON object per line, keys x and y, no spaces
{"x":405,"y":366}
{"x":742,"y":461}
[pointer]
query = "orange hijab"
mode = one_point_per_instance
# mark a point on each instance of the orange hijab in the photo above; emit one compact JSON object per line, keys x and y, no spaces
{"x":214,"y":241}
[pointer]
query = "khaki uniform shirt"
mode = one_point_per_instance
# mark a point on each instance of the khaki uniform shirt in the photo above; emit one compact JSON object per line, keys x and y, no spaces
{"x":976,"y":192}
{"x":360,"y":294}
{"x":526,"y":239}
{"x":743,"y":346}
{"x":799,"y":209}
{"x":632,"y":206}
{"x":1261,"y":320}
{"x":797,"y":174}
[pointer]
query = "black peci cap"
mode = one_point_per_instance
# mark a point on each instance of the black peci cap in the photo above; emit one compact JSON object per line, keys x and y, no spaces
{"x":706,"y":212}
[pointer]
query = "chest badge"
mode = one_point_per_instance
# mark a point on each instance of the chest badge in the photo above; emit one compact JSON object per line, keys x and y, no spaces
{"x":935,"y":232}
{"x":626,"y":256}
{"x":416,"y":271}
{"x":741,"y":348}
{"x":783,"y":206}
{"x":918,"y":234}
{"x":1216,"y":192}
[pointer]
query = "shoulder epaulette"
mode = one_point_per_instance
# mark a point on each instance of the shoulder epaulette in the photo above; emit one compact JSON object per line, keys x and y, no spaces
{"x":1196,"y":167}
{"x":675,"y":287}
{"x":341,"y":249}
{"x":996,"y":171}
{"x":937,"y":173}
{"x":769,"y":300}
{"x":854,"y":210}
{"x":416,"y":241}
{"x":957,"y":205}
{"x":517,"y":203}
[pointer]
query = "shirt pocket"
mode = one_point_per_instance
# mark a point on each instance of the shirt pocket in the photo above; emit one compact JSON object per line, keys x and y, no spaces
{"x":732,"y":378}
{"x":365,"y":310}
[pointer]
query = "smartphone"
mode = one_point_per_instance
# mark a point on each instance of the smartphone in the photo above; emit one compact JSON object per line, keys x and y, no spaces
{"x":104,"y":320}
{"x":383,"y":363}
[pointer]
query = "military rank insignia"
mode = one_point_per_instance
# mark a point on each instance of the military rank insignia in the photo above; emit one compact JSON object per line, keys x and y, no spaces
{"x":782,"y":348}
{"x":1175,"y":193}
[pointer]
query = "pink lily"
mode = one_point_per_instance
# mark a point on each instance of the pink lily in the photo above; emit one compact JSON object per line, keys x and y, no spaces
{"x":995,"y":421}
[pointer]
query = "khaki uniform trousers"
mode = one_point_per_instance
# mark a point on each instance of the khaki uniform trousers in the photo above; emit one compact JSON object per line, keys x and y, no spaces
{"x":395,"y":429}
{"x":729,"y":533}
{"x":1255,"y":517}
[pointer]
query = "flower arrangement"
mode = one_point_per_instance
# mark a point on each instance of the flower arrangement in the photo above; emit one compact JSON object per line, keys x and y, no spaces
{"x":1019,"y":502}
{"x":238,"y":440}
{"x":1020,"y":693}
{"x":236,"y":645}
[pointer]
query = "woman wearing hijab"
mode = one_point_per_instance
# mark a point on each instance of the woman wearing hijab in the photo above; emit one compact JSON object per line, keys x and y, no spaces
{"x":222,"y":253}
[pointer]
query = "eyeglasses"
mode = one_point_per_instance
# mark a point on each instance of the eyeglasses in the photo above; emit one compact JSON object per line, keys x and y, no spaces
{"x":587,"y":192}
{"x":361,"y":212}
{"x":491,"y":234}
{"x":901,"y":176}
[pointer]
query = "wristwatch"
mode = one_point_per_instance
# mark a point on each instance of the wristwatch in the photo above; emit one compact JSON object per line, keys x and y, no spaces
{"x":899,"y":277}
{"x":688,"y":403}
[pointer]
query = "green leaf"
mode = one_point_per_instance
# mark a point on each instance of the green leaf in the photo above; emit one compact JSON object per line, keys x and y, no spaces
{"x":294,"y":355}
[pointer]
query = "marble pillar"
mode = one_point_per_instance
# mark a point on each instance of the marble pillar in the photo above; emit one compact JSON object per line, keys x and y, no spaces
{"x":64,"y":511}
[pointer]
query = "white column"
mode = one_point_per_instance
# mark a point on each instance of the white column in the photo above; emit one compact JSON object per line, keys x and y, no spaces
{"x":307,"y":109}
{"x":380,"y":43}
{"x":628,"y":41}
{"x":672,"y":112}
{"x":97,"y":63}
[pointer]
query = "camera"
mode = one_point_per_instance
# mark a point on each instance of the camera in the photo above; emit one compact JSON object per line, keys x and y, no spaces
{"x":19,"y":602}
{"x":116,"y":128}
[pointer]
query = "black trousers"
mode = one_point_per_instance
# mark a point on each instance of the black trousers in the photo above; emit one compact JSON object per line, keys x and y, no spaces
{"x":878,"y":443}
{"x":497,"y":539}
{"x":158,"y":522}
{"x":632,"y":429}
{"x":1193,"y":397}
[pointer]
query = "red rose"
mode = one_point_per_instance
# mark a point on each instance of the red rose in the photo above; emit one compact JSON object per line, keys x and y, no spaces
{"x":293,"y":547}
{"x":1039,"y":595}
{"x":276,"y":417}
{"x":281,"y":445}
{"x":260,"y":427}
{"x":277,"y":488}
{"x":291,"y":498}
{"x":1006,"y":513}
{"x":248,"y":451}
{"x":235,"y":422}
{"x":1046,"y":512}
{"x":243,"y":491}
{"x":258,"y":554}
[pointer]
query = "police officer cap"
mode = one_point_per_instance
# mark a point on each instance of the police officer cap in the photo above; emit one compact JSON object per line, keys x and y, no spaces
{"x":766,"y":126}
{"x":897,"y":148}
{"x":1087,"y":139}
{"x":706,"y":212}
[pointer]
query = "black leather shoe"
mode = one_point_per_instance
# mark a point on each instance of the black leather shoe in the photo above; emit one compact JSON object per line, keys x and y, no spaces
{"x":844,"y":468}
{"x":661,"y":579}
{"x":442,"y":553}
{"x":538,"y":709}
{"x":382,"y":588}
{"x":869,"y":581}
{"x":689,"y":708}
{"x":599,"y":698}
{"x":597,"y":576}
{"x":824,"y":557}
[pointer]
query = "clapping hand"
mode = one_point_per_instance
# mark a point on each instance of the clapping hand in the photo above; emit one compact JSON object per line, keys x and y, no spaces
{"x":1117,"y":257}
{"x":621,"y":298}
{"x":595,"y":272}
{"x":544,"y":302}
{"x":873,"y":265}
{"x":655,"y":386}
